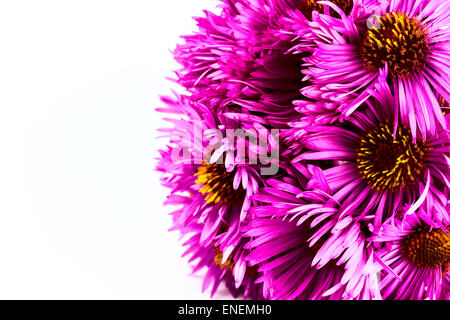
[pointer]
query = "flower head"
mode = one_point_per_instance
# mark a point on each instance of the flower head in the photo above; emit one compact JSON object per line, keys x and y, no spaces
{"x":377,"y":165}
{"x":284,"y":258}
{"x":335,"y":236}
{"x":351,"y":100}
{"x":407,"y":42}
{"x":416,"y":258}
{"x":238,"y":63}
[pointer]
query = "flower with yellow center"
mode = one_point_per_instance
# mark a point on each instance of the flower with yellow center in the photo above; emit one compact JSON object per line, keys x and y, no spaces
{"x":427,"y":249}
{"x":399,"y":41}
{"x":405,"y":48}
{"x":217,"y":185}
{"x":415,"y":256}
{"x":387,"y":163}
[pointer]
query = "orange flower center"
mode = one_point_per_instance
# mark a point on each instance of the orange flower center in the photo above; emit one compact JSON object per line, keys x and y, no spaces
{"x":400,"y":41}
{"x":388,"y":164}
{"x":427,"y":249}
{"x":217,"y":185}
{"x":308,"y":6}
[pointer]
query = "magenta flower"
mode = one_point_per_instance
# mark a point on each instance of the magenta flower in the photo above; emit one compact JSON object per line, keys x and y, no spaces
{"x":416,"y":258}
{"x":376,"y":167}
{"x":357,"y":206}
{"x":334,"y":237}
{"x":211,"y":182}
{"x":209,"y":178}
{"x":408,"y":38}
{"x":238,"y":63}
{"x":281,"y":250}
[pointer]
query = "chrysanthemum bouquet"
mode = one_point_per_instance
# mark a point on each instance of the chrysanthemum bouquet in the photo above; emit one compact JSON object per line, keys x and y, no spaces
{"x":309,"y":152}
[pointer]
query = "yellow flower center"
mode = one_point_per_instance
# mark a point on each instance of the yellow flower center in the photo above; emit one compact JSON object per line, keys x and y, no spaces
{"x":217,"y":185}
{"x":308,"y":6}
{"x":427,"y":249}
{"x":445,"y":106}
{"x":400,"y":41}
{"x":388,"y":164}
{"x":218,"y":260}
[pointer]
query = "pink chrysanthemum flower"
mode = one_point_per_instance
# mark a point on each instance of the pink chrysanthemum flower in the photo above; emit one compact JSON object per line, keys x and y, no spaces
{"x":238,"y":62}
{"x":208,"y":174}
{"x":281,"y":250}
{"x":416,"y":258}
{"x":374,"y":165}
{"x":337,"y":238}
{"x":408,"y":37}
{"x":241,"y":63}
{"x":363,"y":190}
{"x":211,"y":179}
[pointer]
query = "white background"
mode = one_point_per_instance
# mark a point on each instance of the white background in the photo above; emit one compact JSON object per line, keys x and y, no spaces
{"x":81,"y":213}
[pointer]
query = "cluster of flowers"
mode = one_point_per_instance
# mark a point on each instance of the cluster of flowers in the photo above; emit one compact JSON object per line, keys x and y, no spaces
{"x":352,"y":97}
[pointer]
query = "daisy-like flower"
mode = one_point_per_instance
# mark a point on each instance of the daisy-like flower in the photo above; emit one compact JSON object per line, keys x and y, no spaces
{"x":284,"y":258}
{"x":375,"y":164}
{"x":238,"y":62}
{"x":212,"y":196}
{"x":358,"y":189}
{"x":210,"y":176}
{"x":416,"y":258}
{"x":335,"y":238}
{"x":408,"y":38}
